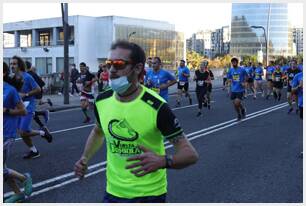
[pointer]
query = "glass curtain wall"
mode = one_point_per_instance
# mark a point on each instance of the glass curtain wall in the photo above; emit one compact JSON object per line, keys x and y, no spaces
{"x":247,"y":41}
{"x":168,"y":45}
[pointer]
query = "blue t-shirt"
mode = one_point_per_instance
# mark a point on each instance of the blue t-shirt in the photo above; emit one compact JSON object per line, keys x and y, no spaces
{"x":28,"y":85}
{"x":238,"y":76}
{"x":258,"y":73}
{"x":10,"y":100}
{"x":300,"y":67}
{"x":182,"y":70}
{"x":270,"y":71}
{"x":285,"y":68}
{"x":158,"y":78}
{"x":295,"y":82}
{"x":249,"y":71}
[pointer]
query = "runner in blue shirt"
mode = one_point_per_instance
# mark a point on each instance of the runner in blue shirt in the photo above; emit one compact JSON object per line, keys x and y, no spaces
{"x":159,"y":79}
{"x":250,"y":79}
{"x":291,"y":72}
{"x":28,"y":91}
{"x":237,"y":76}
{"x":12,"y":108}
{"x":258,"y":84}
{"x":297,"y":86}
{"x":183,"y":84}
{"x":269,"y":71}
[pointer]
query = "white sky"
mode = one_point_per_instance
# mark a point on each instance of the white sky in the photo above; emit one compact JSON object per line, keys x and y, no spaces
{"x":187,"y":17}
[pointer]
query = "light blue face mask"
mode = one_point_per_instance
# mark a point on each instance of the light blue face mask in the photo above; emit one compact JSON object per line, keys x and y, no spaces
{"x":120,"y":85}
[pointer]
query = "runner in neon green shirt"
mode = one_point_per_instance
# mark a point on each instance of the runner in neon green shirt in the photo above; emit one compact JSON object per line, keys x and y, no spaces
{"x":134,"y":121}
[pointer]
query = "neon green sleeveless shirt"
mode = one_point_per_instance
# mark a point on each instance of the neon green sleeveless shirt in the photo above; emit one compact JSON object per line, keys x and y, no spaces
{"x":125,"y":126}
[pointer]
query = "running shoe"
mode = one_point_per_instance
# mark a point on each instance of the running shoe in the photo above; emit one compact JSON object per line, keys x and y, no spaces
{"x":178,"y":104}
{"x":15,"y":198}
{"x":27,"y":184}
{"x":31,"y":155}
{"x":47,"y":135}
{"x":46,"y":116}
{"x":199,"y":114}
{"x":290,"y":110}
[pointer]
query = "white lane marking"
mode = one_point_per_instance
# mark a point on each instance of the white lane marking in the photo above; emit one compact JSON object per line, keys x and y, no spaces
{"x":66,"y":182}
{"x":66,"y":110}
{"x":184,"y":107}
{"x":90,"y":125}
{"x":249,"y":116}
{"x":233,"y":120}
{"x":234,"y":123}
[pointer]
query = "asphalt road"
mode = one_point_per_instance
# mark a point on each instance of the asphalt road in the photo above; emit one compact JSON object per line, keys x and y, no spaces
{"x":255,"y":160}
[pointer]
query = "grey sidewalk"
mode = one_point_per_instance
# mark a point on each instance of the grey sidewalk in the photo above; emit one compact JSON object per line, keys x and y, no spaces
{"x":74,"y":101}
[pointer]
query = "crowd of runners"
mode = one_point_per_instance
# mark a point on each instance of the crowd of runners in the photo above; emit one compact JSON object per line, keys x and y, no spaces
{"x":23,"y":96}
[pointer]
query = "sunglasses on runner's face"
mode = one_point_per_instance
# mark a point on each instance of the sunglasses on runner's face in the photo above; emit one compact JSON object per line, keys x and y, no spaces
{"x":118,"y":63}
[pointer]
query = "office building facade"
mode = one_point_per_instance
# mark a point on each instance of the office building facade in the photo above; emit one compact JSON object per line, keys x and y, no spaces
{"x":41,"y":41}
{"x":272,"y":17}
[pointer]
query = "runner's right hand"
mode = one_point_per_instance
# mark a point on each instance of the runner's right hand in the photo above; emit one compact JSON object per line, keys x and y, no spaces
{"x":80,"y":167}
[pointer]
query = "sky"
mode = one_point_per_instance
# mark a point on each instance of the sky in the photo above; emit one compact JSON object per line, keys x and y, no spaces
{"x":187,"y":17}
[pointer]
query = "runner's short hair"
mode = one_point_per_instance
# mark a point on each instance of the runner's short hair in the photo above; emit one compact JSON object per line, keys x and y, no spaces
{"x":137,"y":53}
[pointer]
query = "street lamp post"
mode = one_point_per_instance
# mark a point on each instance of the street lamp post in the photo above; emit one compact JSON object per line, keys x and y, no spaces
{"x":261,"y":27}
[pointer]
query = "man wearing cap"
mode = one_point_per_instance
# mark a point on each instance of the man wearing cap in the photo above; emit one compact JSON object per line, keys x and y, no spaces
{"x":237,"y":76}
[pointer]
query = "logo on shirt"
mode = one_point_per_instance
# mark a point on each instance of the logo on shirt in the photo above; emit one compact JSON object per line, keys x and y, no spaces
{"x":121,"y":130}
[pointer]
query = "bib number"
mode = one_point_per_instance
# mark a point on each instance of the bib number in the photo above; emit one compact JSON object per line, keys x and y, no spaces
{"x":277,"y":79}
{"x":181,"y":83}
{"x":236,"y":77}
{"x":200,"y":83}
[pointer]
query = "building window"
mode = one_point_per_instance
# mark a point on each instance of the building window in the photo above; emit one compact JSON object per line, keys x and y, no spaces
{"x":60,"y":63}
{"x":43,"y":65}
{"x":8,"y":40}
{"x":44,"y":39}
{"x":25,"y":40}
{"x":60,"y":41}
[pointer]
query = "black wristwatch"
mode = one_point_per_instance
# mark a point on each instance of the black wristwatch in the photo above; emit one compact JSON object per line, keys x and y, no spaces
{"x":169,"y":161}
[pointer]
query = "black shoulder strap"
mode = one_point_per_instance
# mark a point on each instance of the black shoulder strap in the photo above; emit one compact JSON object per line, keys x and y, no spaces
{"x":104,"y":95}
{"x":151,"y":100}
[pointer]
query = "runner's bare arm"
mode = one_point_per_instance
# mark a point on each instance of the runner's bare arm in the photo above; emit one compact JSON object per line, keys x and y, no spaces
{"x":94,"y":142}
{"x":185,"y":153}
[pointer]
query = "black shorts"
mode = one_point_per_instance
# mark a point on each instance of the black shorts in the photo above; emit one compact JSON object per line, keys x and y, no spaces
{"x":250,"y":80}
{"x":236,"y":95}
{"x":278,"y":85}
{"x":269,"y":80}
{"x":181,"y":86}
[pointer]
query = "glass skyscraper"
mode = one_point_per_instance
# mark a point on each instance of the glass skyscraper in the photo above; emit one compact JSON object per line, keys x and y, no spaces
{"x":248,"y":41}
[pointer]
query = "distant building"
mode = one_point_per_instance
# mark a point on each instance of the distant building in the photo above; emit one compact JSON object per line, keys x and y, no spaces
{"x":271,"y":16}
{"x":298,"y":40}
{"x":41,"y":41}
{"x":210,"y":43}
